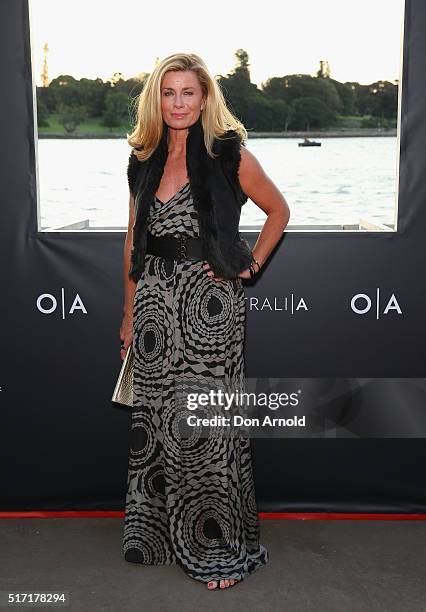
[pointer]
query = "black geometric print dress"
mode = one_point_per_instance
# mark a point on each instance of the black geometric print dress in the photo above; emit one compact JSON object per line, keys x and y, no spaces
{"x":190,"y":501}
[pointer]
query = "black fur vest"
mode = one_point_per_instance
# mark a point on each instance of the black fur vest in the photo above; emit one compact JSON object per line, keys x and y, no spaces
{"x":216,"y":193}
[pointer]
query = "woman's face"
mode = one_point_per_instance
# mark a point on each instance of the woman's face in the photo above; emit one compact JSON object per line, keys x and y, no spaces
{"x":181,"y":98}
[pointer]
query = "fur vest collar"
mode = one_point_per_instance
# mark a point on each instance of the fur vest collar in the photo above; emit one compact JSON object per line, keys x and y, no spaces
{"x":216,"y":193}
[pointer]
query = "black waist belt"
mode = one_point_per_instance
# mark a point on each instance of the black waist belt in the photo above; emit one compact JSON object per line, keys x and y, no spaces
{"x":184,"y":247}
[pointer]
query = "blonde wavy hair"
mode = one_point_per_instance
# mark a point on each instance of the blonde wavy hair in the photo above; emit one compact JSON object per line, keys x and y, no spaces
{"x":216,"y":118}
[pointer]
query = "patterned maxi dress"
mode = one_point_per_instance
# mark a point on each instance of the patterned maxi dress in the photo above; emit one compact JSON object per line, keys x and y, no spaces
{"x":189,"y":501}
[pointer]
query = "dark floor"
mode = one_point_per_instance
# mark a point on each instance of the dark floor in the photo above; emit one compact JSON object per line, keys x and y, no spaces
{"x":321,"y":566}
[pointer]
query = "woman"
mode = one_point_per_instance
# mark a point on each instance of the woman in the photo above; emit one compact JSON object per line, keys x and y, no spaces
{"x":190,"y":501}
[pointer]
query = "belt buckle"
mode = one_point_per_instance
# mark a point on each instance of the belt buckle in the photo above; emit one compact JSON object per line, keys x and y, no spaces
{"x":182,"y":245}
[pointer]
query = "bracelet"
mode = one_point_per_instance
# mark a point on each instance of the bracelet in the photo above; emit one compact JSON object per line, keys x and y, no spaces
{"x":255,"y":261}
{"x":251,"y":267}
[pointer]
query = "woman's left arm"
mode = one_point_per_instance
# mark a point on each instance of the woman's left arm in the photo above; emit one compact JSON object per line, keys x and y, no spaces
{"x":257,"y":185}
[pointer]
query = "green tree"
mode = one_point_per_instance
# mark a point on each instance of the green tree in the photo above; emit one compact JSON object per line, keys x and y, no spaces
{"x":246,"y":101}
{"x":65,"y":90}
{"x":92,"y":94}
{"x":70,"y":117}
{"x":384,"y":99}
{"x":309,"y":113}
{"x":42,"y":110}
{"x":116,"y":110}
{"x":346,"y":92}
{"x":294,"y":86}
{"x":241,"y":72}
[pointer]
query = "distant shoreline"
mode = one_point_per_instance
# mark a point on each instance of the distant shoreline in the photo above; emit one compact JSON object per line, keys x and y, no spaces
{"x":343,"y":133}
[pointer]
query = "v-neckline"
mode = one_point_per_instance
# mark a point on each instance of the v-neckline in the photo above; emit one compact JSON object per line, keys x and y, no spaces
{"x":173,"y":196}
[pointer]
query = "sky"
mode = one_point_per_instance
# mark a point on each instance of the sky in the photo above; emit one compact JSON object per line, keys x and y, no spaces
{"x":361,"y":40}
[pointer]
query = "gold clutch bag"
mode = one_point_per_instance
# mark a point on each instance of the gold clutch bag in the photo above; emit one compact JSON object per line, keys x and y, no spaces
{"x":123,"y":392}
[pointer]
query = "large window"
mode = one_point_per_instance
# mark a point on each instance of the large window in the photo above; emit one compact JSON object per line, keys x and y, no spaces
{"x":317,"y":86}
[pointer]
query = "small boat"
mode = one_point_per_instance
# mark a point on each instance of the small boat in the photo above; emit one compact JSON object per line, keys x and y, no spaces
{"x":309,"y":143}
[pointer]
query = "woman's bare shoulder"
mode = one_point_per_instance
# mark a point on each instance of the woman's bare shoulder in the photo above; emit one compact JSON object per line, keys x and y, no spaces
{"x":250,"y":170}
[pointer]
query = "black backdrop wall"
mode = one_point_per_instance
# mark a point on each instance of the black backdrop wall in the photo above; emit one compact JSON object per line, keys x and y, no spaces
{"x":64,"y":445}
